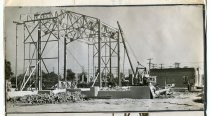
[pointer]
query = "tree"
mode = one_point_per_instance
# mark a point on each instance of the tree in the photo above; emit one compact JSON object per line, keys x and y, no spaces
{"x":8,"y":70}
{"x":49,"y":80}
{"x":122,"y":76}
{"x":19,"y":81}
{"x":70,"y":75}
{"x":111,"y":80}
{"x":83,"y":74}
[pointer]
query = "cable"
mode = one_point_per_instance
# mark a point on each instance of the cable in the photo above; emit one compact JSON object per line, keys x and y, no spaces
{"x":132,"y":51}
{"x":124,"y":61}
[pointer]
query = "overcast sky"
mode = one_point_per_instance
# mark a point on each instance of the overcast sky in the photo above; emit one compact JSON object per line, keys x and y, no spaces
{"x":167,"y":34}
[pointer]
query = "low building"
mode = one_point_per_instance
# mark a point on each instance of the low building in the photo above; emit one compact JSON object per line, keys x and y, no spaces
{"x":181,"y":77}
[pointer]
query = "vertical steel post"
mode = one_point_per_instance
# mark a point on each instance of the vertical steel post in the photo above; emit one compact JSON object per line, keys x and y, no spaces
{"x":16,"y":60}
{"x":110,"y":56}
{"x":29,"y":55}
{"x":37,"y":77}
{"x":64,"y":73}
{"x":105,"y":55}
{"x":198,"y":76}
{"x":99,"y":53}
{"x":88,"y":78}
{"x":24,"y":49}
{"x":93,"y":62}
{"x":39,"y":57}
{"x":58,"y":56}
{"x":118,"y":59}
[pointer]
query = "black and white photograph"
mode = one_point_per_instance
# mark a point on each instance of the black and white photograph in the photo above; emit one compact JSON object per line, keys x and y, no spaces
{"x":138,"y":58}
{"x":194,"y":113}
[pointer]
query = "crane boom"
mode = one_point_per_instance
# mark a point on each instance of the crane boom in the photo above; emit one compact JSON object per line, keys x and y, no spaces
{"x":123,"y":40}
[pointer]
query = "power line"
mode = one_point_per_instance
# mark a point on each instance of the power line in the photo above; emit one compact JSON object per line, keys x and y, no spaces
{"x":131,"y":50}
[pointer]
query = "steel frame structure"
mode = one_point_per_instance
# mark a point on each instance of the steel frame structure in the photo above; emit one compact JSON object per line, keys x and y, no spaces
{"x":68,"y":26}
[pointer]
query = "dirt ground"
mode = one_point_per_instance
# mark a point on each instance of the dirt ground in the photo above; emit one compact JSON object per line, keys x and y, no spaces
{"x":177,"y":101}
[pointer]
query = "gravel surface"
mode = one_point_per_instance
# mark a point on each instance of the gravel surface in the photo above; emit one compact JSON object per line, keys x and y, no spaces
{"x":177,"y":101}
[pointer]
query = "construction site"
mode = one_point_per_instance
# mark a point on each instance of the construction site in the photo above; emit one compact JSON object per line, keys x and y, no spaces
{"x":103,"y":84}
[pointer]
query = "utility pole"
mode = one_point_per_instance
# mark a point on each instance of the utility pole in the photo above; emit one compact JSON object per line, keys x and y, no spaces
{"x":150,"y":62}
{"x":176,"y":65}
{"x":154,"y":65}
{"x":161,"y":66}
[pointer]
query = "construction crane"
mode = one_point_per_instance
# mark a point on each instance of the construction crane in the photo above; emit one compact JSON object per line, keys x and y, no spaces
{"x":136,"y":73}
{"x":143,"y":78}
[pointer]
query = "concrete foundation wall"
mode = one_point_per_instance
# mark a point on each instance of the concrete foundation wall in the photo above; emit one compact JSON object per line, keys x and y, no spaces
{"x":87,"y":93}
{"x":73,"y":90}
{"x":140,"y":92}
{"x":45,"y":92}
{"x":135,"y":92}
{"x":58,"y":91}
{"x":20,"y":93}
{"x":115,"y":94}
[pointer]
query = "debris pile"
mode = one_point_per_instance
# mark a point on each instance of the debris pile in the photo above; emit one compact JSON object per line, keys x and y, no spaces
{"x":63,"y":97}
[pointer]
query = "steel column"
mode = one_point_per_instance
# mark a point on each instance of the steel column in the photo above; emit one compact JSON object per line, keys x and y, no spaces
{"x":16,"y":59}
{"x":99,"y":53}
{"x":39,"y":57}
{"x":118,"y":60}
{"x":64,"y":73}
{"x":110,"y":56}
{"x":88,"y":79}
